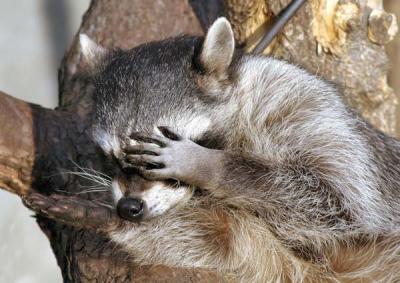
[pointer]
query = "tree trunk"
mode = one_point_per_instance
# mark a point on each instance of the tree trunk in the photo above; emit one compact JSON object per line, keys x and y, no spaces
{"x":341,"y":41}
{"x":393,"y":50}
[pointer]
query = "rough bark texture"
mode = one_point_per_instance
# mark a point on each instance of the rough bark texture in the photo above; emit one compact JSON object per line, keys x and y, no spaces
{"x":338,"y":40}
{"x":342,"y":41}
{"x":393,"y":50}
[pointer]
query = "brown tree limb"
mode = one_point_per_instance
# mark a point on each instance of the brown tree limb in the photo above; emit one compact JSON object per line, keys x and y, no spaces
{"x":17,"y":151}
{"x":74,"y":211}
{"x":32,"y":144}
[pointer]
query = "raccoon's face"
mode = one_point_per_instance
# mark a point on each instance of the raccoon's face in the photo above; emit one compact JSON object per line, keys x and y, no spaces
{"x":179,"y":83}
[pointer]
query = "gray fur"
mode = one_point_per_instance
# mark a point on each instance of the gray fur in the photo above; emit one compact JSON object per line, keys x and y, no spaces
{"x":295,"y":187}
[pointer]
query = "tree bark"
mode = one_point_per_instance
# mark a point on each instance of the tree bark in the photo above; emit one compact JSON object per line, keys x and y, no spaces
{"x":393,"y":50}
{"x":341,"y":41}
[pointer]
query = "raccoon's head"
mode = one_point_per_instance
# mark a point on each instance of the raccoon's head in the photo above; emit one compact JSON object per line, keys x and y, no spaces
{"x":180,"y":83}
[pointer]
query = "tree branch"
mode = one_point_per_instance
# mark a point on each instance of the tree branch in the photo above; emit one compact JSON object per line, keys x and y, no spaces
{"x":16,"y":145}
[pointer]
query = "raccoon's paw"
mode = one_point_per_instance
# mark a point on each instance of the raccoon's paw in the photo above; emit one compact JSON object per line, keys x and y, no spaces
{"x":166,"y":156}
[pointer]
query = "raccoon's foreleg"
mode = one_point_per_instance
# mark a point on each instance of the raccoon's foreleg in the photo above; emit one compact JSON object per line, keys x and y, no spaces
{"x":300,"y":206}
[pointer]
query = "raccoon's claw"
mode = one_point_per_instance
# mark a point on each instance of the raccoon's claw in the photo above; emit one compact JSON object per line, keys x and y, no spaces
{"x":157,"y":174}
{"x":161,"y":140}
{"x":73,"y":211}
{"x":150,"y":167}
{"x":169,"y":156}
{"x":145,"y":160}
{"x":168,"y":133}
{"x":138,"y":138}
{"x":143,"y":148}
{"x":147,"y":151}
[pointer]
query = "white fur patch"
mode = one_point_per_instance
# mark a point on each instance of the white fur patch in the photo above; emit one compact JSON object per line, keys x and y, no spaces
{"x":108,"y":143}
{"x":160,"y":198}
{"x":189,"y":126}
{"x":116,"y":191}
{"x":90,"y":49}
{"x":132,"y":142}
{"x":219,"y":46}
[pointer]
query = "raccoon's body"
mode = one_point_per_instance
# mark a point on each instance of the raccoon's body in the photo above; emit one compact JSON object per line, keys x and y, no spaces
{"x":281,"y":182}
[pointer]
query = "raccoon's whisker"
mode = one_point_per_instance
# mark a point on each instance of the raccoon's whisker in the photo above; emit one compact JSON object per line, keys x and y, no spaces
{"x":98,"y":173}
{"x":95,"y":186}
{"x":91,"y":191}
{"x":95,"y":172}
{"x":105,"y":204}
{"x":97,"y":179}
{"x":93,"y":177}
{"x":83,"y":191}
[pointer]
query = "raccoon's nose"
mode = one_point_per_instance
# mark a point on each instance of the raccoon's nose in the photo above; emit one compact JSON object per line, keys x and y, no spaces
{"x":130,"y":208}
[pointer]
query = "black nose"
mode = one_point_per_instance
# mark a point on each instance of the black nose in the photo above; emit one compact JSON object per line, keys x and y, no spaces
{"x":130,"y":208}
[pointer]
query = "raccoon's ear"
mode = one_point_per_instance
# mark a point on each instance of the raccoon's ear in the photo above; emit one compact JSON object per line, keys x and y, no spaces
{"x":218,"y":47}
{"x":92,"y":52}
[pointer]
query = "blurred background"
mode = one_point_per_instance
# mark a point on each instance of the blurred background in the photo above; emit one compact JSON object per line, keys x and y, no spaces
{"x":33,"y":38}
{"x":34,"y":35}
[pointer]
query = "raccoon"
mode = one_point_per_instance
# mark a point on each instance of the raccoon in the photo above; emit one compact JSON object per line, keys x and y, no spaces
{"x":243,"y":164}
